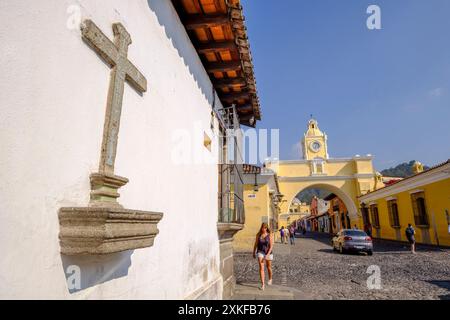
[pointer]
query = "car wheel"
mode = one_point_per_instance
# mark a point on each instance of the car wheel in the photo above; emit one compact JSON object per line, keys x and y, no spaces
{"x":370,"y":252}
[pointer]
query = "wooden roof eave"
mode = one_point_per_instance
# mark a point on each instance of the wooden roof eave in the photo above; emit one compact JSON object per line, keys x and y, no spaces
{"x":240,"y":87}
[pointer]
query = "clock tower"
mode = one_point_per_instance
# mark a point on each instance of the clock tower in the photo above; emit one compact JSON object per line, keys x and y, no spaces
{"x":314,"y":142}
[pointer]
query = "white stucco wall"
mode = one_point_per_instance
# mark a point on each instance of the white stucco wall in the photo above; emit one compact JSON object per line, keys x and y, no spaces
{"x":53,"y":90}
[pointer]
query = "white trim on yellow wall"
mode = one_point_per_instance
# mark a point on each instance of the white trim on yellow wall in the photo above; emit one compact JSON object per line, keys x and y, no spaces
{"x":416,"y":191}
{"x":330,"y":160}
{"x":324,"y":177}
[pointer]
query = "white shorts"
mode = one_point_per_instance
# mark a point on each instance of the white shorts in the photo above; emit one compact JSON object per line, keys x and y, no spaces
{"x":265,"y":256}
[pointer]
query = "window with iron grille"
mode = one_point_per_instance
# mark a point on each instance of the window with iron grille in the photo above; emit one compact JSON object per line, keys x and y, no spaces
{"x":374,"y":216}
{"x":419,"y":209}
{"x":394,"y":219}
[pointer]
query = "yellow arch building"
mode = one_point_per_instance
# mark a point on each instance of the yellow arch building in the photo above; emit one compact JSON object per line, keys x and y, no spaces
{"x":422,"y":199}
{"x":348,"y":178}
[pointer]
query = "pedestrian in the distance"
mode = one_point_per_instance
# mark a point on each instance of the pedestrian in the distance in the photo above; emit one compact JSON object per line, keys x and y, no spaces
{"x":410,"y":235}
{"x":286,"y":235}
{"x":355,"y":227}
{"x":282,"y":234}
{"x":263,"y":251}
{"x":369,"y":229}
{"x":292,"y":235}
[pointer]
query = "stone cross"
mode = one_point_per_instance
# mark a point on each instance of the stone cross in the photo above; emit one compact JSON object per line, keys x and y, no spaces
{"x":104,"y":226}
{"x":115,"y":54}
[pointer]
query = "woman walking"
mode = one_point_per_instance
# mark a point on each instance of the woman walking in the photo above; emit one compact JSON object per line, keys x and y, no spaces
{"x":263,"y":251}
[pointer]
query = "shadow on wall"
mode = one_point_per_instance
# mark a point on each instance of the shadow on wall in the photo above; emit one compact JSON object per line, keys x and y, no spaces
{"x":83,"y":272}
{"x":165,"y":13}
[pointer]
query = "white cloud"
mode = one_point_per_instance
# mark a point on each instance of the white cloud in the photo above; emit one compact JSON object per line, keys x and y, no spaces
{"x":436,"y":92}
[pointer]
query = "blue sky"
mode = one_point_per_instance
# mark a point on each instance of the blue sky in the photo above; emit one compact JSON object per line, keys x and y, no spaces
{"x":384,"y":92}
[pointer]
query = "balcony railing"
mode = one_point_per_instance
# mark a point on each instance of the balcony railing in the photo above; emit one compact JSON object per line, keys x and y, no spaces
{"x":231,"y":183}
{"x":232,"y":208}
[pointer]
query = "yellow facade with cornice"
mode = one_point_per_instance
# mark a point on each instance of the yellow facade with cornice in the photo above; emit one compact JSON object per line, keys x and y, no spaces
{"x":434,"y":186}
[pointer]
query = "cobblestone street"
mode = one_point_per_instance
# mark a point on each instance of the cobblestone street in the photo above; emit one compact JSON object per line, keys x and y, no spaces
{"x":311,"y":270}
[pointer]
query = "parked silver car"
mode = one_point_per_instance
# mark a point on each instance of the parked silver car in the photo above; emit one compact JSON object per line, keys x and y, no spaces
{"x":352,"y":240}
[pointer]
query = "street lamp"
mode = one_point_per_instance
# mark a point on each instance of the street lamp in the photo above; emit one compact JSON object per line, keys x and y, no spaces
{"x":255,"y":186}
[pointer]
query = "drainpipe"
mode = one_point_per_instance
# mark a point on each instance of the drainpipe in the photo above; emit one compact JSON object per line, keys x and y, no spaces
{"x":435,"y":228}
{"x":448,"y":220}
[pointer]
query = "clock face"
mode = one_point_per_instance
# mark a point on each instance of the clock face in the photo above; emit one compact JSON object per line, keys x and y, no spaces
{"x":315,"y":146}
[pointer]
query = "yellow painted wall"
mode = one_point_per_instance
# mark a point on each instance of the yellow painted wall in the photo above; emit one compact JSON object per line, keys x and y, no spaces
{"x":255,"y":210}
{"x":363,"y":166}
{"x":437,"y":199}
{"x":294,"y":170}
{"x":303,"y":168}
{"x":332,"y":168}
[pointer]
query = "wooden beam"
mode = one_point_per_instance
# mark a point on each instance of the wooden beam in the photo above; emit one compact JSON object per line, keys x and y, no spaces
{"x":244,"y":108}
{"x":199,"y":21}
{"x":246,"y":122}
{"x":220,"y":5}
{"x":229,"y":82}
{"x":212,"y":47}
{"x":223,"y":66}
{"x":246,"y":117}
{"x":234,"y":96}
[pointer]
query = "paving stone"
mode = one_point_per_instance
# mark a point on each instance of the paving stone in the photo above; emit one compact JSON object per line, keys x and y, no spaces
{"x":311,"y":270}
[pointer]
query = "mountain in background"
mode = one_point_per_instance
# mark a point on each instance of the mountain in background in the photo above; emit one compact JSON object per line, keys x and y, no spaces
{"x":403,"y":170}
{"x":308,"y":194}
